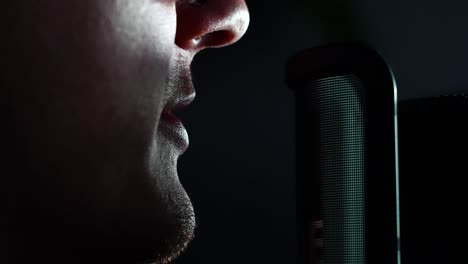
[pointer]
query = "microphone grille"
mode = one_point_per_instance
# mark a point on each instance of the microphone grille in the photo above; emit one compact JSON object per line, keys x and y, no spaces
{"x":338,"y":103}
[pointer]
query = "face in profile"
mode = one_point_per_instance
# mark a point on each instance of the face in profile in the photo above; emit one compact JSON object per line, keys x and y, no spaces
{"x":93,"y":87}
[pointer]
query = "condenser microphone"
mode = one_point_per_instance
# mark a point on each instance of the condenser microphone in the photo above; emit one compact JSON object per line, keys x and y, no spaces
{"x":346,"y":154}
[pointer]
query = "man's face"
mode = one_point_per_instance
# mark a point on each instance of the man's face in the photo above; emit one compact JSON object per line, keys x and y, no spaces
{"x":94,"y":87}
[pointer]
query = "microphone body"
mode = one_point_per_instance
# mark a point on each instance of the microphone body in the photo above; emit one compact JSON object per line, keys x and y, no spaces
{"x":347,"y":155}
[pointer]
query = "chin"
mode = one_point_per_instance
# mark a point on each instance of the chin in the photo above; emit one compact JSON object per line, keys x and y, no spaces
{"x":177,"y":230}
{"x":159,"y":244}
{"x":157,"y":226}
{"x":152,"y":221}
{"x":149,"y":228}
{"x":162,"y":217}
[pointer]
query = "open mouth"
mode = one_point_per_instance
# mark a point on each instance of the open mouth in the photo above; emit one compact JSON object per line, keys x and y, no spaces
{"x":172,"y":127}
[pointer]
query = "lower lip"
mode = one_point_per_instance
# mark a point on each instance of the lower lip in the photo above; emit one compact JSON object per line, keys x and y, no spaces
{"x":172,"y":128}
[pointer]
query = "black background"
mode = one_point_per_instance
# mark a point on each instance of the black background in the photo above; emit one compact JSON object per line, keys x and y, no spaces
{"x":239,"y":169}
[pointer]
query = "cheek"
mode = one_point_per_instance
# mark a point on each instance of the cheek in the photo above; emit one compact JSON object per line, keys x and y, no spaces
{"x":92,"y":92}
{"x":100,"y":85}
{"x":137,"y":47}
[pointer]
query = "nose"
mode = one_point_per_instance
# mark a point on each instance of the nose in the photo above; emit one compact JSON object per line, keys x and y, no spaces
{"x":210,"y":23}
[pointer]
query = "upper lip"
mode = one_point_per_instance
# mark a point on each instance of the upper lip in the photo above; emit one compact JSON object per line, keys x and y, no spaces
{"x":180,"y":93}
{"x":179,"y":103}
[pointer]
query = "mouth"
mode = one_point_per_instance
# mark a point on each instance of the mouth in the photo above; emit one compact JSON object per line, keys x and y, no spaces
{"x":172,"y":127}
{"x":180,"y":93}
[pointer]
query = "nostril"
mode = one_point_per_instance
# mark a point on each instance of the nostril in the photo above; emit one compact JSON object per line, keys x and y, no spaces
{"x":218,"y":38}
{"x":197,"y":3}
{"x":215,"y":24}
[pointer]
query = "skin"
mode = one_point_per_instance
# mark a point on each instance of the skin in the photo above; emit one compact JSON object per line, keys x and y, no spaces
{"x":91,"y":165}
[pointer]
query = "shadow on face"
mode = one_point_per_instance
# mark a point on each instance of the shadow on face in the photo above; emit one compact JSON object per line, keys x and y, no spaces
{"x":90,"y":162}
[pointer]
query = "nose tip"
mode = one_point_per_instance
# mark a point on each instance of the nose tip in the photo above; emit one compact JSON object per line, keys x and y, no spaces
{"x":212,"y":24}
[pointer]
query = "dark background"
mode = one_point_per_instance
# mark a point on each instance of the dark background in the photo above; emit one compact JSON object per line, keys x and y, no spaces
{"x":239,"y":169}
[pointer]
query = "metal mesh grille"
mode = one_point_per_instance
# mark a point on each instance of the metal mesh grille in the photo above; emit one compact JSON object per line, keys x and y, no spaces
{"x":342,"y":167}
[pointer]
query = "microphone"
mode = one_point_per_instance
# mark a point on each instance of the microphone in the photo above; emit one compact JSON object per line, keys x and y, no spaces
{"x":346,"y":155}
